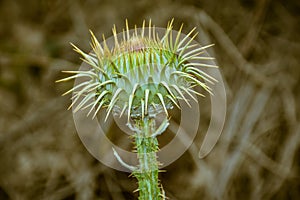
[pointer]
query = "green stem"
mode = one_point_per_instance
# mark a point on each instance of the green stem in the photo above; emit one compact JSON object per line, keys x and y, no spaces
{"x":147,"y":173}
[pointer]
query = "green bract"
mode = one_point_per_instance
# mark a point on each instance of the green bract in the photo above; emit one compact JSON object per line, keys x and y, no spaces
{"x":142,"y":74}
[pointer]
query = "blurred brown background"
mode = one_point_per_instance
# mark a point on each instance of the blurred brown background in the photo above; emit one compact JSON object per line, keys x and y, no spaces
{"x":257,"y":46}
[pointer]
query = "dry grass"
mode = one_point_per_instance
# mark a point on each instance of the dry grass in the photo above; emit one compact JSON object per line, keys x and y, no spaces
{"x":257,"y":47}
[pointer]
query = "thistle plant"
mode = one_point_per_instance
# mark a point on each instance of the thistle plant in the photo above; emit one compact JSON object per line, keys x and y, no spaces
{"x":141,"y":75}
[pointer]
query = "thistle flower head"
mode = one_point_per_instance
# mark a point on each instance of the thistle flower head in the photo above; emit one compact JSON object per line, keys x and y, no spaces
{"x":141,"y":74}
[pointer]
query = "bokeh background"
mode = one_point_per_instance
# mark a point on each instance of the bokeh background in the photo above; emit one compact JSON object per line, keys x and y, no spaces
{"x":257,"y":47}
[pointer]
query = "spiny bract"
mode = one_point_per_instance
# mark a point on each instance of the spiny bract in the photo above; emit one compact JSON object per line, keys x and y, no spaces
{"x":142,"y":74}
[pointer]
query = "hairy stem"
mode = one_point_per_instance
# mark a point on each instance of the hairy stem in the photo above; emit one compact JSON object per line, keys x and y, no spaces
{"x":147,"y":173}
